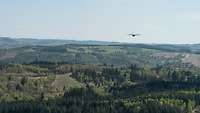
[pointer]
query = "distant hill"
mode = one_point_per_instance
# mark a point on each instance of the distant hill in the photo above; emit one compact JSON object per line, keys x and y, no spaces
{"x":95,"y":52}
{"x":7,"y":42}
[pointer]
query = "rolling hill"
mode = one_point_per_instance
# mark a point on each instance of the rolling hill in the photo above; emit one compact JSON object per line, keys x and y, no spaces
{"x":7,"y":42}
{"x":25,"y":51}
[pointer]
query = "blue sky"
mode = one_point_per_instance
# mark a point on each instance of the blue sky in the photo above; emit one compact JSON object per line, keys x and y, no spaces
{"x":159,"y":21}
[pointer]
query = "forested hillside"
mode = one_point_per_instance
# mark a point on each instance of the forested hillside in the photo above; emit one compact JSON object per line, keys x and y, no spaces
{"x":108,"y":78}
{"x":7,"y":42}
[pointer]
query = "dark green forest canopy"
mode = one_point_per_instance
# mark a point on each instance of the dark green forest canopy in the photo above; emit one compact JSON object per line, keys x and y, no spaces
{"x":108,"y":78}
{"x":46,"y":87}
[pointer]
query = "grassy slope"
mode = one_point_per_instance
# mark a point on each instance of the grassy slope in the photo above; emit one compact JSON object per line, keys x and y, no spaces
{"x":65,"y":82}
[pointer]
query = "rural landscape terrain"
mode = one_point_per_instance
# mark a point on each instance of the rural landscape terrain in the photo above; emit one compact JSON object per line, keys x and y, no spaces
{"x":66,"y":76}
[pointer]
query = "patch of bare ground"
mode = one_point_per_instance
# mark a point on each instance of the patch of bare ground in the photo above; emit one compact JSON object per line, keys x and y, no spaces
{"x":196,"y":110}
{"x":193,"y":59}
{"x":65,"y":82}
{"x":7,"y":56}
{"x":165,"y":55}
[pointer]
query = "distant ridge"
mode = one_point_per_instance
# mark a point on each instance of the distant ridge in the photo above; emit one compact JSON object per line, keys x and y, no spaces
{"x":7,"y":42}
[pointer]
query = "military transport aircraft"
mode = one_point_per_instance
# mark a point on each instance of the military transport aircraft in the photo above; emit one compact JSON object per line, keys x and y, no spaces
{"x":134,"y":35}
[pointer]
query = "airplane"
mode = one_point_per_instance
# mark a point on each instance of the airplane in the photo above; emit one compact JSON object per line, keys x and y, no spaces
{"x":134,"y":35}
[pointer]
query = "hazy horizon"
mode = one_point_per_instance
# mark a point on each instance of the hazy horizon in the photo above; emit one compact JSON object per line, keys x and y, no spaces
{"x":175,"y":22}
{"x":71,"y":39}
